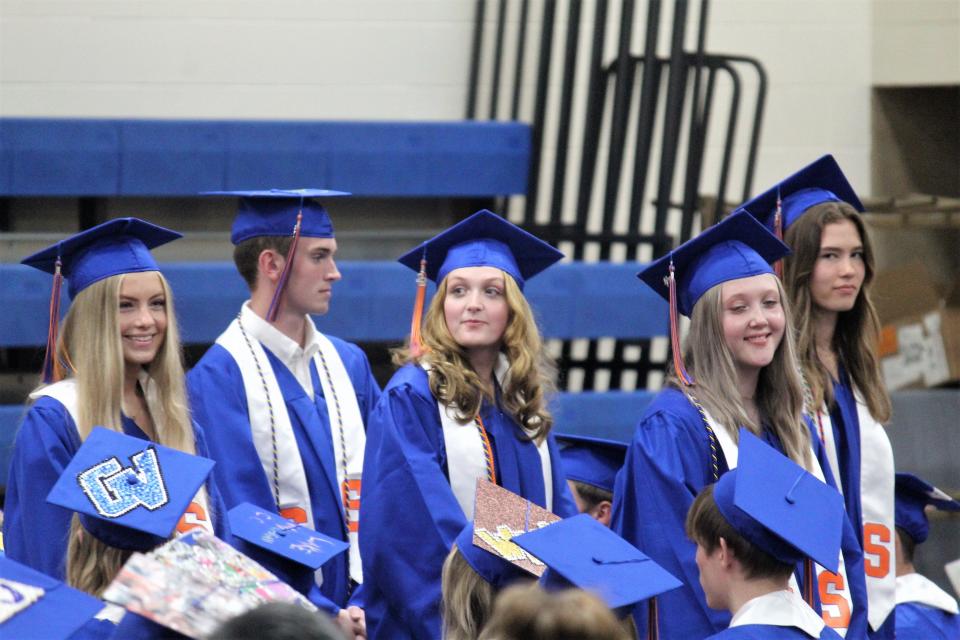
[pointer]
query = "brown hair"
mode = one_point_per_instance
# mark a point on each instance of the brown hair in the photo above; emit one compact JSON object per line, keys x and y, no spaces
{"x":705,"y":525}
{"x":246,"y":255}
{"x":591,"y":495}
{"x":858,"y":330}
{"x":467,"y":598}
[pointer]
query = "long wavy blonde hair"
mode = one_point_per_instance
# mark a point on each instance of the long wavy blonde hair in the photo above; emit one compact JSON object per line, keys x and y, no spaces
{"x":779,"y":394}
{"x":858,"y":330}
{"x":90,"y":344}
{"x":454,"y":382}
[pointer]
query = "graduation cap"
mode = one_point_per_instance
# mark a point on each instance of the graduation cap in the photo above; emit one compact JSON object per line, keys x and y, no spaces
{"x":737,"y":247}
{"x":912,"y":495}
{"x":593,"y":461}
{"x":486,"y":543}
{"x":121,"y":245}
{"x":33,"y":604}
{"x":818,"y":182}
{"x":781,"y":508}
{"x":130,"y":493}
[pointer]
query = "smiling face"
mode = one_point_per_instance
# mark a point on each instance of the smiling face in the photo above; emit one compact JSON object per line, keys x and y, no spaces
{"x":310,"y":283}
{"x":839,"y":270}
{"x":753,"y":320}
{"x":475,"y":308}
{"x":142,"y":317}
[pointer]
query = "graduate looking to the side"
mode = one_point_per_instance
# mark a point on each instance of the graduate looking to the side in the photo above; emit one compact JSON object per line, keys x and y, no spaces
{"x":828,"y":278}
{"x":115,"y":363}
{"x":468,"y":403}
{"x":591,"y":465}
{"x":751,"y":528}
{"x":286,"y":404}
{"x":738,"y":369}
{"x":924,"y":610}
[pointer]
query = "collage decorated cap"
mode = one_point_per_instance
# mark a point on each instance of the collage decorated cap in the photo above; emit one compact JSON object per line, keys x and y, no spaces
{"x":273,"y":212}
{"x":780,"y":507}
{"x":34,"y":605}
{"x":284,"y":538}
{"x":737,"y":247}
{"x":818,"y":182}
{"x":580,"y":551}
{"x":487,"y":542}
{"x":130,"y":493}
{"x":912,"y":495}
{"x":483,"y":240}
{"x":593,"y":461}
{"x":121,"y":245}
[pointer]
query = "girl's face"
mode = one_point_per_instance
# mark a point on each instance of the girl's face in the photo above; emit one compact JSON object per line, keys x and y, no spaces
{"x":475,"y":307}
{"x":142,"y":316}
{"x":753,"y":320}
{"x":840,"y":269}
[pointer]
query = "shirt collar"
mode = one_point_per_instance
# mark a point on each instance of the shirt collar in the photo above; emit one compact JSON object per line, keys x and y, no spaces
{"x":781,"y":609}
{"x":276,"y":341}
{"x":914,"y":587}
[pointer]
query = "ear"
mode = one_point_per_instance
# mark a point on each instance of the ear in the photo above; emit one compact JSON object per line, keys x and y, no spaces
{"x":270,"y":265}
{"x":726,"y":553}
{"x":603,"y":512}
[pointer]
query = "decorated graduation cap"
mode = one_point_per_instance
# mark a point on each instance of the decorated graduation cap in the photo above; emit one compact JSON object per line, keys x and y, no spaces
{"x":593,"y":461}
{"x":781,"y":508}
{"x":34,"y":605}
{"x":486,"y":542}
{"x":912,"y":497}
{"x":482,"y":240}
{"x":280,"y":213}
{"x":737,"y":247}
{"x":121,"y":245}
{"x":130,"y":493}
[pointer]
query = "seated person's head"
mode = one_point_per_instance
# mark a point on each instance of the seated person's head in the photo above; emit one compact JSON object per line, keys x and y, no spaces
{"x":592,"y":500}
{"x":725,"y":556}
{"x":591,"y":465}
{"x":530,"y":613}
{"x":467,"y":598}
{"x":279,"y":621}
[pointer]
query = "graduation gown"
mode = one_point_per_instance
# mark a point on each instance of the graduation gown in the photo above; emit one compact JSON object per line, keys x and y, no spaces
{"x":36,"y":532}
{"x":218,"y":400}
{"x":409,"y":515}
{"x":777,"y":615}
{"x":667,"y":464}
{"x":924,"y":610}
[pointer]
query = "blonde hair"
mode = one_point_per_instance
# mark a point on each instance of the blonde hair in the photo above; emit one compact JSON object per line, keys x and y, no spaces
{"x":90,"y":344}
{"x":467,"y":598}
{"x":779,"y":394}
{"x":454,"y":382}
{"x":857,"y":332}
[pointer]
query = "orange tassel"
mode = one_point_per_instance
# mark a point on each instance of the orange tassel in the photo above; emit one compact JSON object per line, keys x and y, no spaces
{"x":678,"y":365}
{"x":416,"y":338}
{"x":287,"y":266}
{"x":52,"y":370}
{"x":778,"y":231}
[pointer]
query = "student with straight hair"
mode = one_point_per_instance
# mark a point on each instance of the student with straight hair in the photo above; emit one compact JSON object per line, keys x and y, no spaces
{"x":738,"y":369}
{"x":828,"y":278}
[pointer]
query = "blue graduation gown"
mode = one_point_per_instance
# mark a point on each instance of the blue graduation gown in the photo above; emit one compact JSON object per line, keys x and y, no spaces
{"x":36,"y":532}
{"x":409,"y":516}
{"x":219,"y":402}
{"x":667,"y":464}
{"x":917,"y":621}
{"x":770,"y":632}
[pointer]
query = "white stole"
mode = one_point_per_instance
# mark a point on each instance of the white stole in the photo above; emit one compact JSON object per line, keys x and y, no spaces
{"x":780,"y":609}
{"x":730,"y":452}
{"x":914,"y":587}
{"x":876,"y":506}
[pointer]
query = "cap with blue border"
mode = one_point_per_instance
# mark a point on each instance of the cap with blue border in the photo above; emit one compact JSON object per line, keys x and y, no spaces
{"x":130,"y":493}
{"x":34,"y":605}
{"x":593,"y":461}
{"x":482,"y":240}
{"x":581,"y":552}
{"x":912,"y":497}
{"x":737,"y":247}
{"x":280,"y":213}
{"x":112,"y":248}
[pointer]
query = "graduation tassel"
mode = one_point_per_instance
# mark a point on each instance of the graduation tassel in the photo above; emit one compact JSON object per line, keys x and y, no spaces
{"x":287,"y":266}
{"x":678,"y":365}
{"x":416,"y":338}
{"x":778,"y":231}
{"x":52,"y":370}
{"x":808,"y":581}
{"x":653,"y":622}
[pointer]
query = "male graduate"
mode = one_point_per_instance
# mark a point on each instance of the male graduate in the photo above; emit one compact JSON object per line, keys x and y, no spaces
{"x":924,"y":610}
{"x":285,"y":405}
{"x":591,"y":465}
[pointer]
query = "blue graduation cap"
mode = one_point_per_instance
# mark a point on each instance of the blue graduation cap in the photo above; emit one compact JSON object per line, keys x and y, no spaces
{"x":580,"y":551}
{"x":39,"y":606}
{"x":912,"y":496}
{"x":274,"y":212}
{"x":593,"y":461}
{"x":818,"y":182}
{"x":130,"y":493}
{"x":282,"y":537}
{"x":483,"y":240}
{"x":780,"y":507}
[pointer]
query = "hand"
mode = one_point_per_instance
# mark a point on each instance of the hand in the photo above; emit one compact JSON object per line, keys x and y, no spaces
{"x":353,"y":621}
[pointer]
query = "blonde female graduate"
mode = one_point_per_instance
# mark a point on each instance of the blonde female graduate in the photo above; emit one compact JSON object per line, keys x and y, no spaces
{"x":120,"y":351}
{"x":467,"y":403}
{"x":828,"y":279}
{"x":738,"y":369}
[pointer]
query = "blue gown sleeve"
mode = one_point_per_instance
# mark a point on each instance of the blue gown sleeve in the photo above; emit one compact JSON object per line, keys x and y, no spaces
{"x":35,"y":532}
